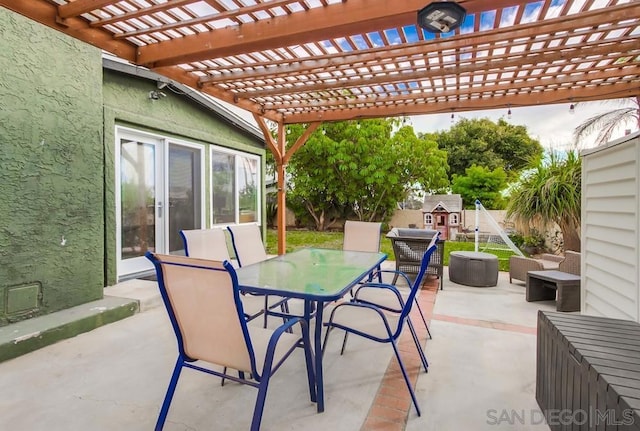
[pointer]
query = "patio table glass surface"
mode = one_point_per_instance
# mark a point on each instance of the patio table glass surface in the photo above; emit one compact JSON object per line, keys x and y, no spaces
{"x":309,"y":273}
{"x":315,"y":275}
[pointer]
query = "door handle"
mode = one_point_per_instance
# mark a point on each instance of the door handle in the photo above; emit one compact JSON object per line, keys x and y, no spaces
{"x":159,"y":206}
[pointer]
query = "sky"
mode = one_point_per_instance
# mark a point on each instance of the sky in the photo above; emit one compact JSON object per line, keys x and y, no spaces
{"x":552,"y":125}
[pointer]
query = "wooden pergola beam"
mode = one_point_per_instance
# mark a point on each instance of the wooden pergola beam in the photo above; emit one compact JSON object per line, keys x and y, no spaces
{"x":78,"y":7}
{"x":214,"y":17}
{"x":609,"y":91}
{"x":584,"y":23}
{"x":180,"y":75}
{"x":501,"y":65}
{"x":344,"y":19}
{"x":47,"y":14}
{"x":488,"y":87}
{"x":141,"y":12}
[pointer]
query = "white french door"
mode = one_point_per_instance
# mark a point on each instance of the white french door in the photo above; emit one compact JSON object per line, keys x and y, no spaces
{"x":158,"y":193}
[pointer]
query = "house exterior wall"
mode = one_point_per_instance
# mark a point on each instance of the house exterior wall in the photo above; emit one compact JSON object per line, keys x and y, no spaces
{"x":126,"y":103}
{"x":611,"y":229}
{"x":51,"y":181}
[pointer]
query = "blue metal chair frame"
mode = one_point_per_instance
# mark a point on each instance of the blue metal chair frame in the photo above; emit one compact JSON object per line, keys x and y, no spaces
{"x":260,"y":380}
{"x":434,"y":241}
{"x":392,"y":333}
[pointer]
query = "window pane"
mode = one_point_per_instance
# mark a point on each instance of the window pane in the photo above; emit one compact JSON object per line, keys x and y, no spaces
{"x":223,"y":188}
{"x":184,"y":193}
{"x":248,"y":189}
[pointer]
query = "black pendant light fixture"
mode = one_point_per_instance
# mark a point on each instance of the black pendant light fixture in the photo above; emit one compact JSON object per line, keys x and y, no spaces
{"x":441,"y":17}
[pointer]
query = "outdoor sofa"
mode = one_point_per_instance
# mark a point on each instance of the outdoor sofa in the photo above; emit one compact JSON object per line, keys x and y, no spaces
{"x":520,"y":265}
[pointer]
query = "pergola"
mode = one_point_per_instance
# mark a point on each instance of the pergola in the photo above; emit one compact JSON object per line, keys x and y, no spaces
{"x":311,"y":61}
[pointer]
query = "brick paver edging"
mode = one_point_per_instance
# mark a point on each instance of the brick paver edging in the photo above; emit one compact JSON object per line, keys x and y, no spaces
{"x":392,"y":402}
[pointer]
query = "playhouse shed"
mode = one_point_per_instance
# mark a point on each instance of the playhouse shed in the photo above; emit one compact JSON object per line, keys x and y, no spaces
{"x":443,"y":213}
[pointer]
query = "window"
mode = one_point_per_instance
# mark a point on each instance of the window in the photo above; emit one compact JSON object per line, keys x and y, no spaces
{"x":223,"y":188}
{"x":248,"y":188}
{"x":428,"y":219}
{"x":453,"y":218}
{"x":235,"y":188}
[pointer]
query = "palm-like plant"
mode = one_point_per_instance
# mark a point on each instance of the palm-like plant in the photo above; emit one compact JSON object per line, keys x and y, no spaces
{"x":550,"y":192}
{"x":605,"y":123}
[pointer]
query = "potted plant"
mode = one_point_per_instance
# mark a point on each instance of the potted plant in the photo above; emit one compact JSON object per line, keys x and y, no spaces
{"x":533,"y":243}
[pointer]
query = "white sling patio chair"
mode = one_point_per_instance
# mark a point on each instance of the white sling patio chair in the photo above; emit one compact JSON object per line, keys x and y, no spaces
{"x":202,"y":299}
{"x":211,"y":244}
{"x":208,"y":244}
{"x":362,"y":236}
{"x":248,"y":247}
{"x":246,"y":240}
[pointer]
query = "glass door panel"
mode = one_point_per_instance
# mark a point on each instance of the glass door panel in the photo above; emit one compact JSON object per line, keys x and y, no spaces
{"x":140,"y":203}
{"x":185,"y":206}
{"x":159,"y":188}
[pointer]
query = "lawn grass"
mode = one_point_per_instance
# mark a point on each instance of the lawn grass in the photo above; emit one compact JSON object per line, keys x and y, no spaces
{"x":333,"y":240}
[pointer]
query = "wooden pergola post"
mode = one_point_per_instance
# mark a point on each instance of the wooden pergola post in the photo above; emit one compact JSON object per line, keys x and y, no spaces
{"x":282,"y":156}
{"x":281,"y":167}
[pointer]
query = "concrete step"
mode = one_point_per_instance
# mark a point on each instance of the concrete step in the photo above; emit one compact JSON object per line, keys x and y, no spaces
{"x":28,"y":335}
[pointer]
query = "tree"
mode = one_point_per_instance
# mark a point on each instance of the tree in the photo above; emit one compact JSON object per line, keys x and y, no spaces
{"x":551,"y":192}
{"x":481,"y":183}
{"x":607,"y":122}
{"x":361,"y":169}
{"x":482,"y":142}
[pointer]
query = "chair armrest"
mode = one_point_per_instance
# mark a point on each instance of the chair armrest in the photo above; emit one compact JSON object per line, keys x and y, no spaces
{"x":268,"y":364}
{"x":551,"y":257}
{"x":385,"y":296}
{"x":519,"y":266}
{"x":392,"y":271}
{"x":344,"y":316}
{"x":571,"y":263}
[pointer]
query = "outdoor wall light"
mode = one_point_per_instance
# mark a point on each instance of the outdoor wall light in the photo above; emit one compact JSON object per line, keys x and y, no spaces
{"x":156,"y":95}
{"x":441,"y":17}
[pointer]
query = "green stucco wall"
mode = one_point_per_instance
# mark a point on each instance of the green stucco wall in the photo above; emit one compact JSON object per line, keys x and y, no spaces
{"x":51,"y":170}
{"x":127,"y":104}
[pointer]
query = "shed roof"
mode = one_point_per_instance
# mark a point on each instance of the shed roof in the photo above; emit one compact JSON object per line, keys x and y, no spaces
{"x":452,"y":203}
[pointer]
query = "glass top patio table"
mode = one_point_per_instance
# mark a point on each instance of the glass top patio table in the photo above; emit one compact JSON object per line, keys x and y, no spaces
{"x":316,"y":276}
{"x":309,"y":273}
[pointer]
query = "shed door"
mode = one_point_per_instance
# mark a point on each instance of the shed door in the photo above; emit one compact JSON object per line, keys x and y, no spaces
{"x":442,"y":225}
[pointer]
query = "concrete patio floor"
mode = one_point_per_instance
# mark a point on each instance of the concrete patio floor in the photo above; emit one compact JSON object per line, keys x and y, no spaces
{"x":481,"y":375}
